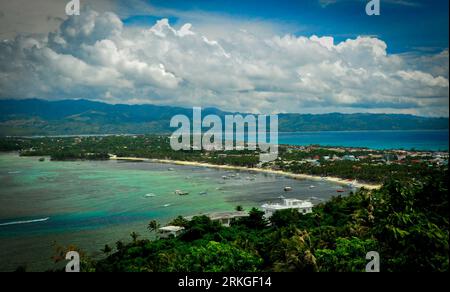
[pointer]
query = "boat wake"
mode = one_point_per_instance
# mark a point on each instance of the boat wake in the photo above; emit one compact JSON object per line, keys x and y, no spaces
{"x":24,"y":222}
{"x":14,"y":172}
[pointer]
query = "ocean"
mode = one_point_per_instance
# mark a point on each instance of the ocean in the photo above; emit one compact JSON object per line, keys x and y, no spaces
{"x":381,"y":140}
{"x":89,"y":204}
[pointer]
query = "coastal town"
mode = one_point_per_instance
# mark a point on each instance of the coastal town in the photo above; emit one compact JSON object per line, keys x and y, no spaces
{"x":366,"y":166}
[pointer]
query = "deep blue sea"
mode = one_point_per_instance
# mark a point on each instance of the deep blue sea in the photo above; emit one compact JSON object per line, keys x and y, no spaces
{"x":407,"y":140}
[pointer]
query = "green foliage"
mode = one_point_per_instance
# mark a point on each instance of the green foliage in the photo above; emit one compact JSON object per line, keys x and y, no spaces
{"x":348,"y":256}
{"x":412,"y":224}
{"x":284,"y":218}
{"x":179,"y":221}
{"x":219,"y":257}
{"x":199,"y":227}
{"x":153,"y":226}
{"x":255,"y":220}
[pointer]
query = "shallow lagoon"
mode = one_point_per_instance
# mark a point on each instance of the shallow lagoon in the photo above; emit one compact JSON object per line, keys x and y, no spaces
{"x":90,"y":204}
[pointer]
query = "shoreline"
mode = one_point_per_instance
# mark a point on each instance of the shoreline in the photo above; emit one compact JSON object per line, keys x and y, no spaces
{"x":336,"y":180}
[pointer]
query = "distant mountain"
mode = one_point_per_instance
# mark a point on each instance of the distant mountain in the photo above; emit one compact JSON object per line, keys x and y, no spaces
{"x":70,"y":117}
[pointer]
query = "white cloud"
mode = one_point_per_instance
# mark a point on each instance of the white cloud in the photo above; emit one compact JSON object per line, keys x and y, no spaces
{"x":95,"y":56}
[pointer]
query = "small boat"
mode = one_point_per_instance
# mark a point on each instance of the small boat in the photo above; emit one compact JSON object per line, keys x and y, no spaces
{"x":340,"y":191}
{"x":181,"y":193}
{"x":203,"y":193}
{"x":225,"y":177}
{"x":151,"y":195}
{"x":166,"y":205}
{"x":282,"y":197}
{"x":312,"y":187}
{"x":287,"y":189}
{"x":170,"y":169}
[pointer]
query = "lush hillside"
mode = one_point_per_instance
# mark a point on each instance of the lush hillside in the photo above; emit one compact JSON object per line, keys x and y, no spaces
{"x":405,"y":222}
{"x":39,"y":117}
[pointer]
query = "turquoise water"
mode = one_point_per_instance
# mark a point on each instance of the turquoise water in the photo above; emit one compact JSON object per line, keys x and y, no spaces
{"x":381,"y":140}
{"x":90,"y":204}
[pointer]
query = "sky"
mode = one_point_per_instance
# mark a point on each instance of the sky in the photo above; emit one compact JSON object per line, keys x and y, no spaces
{"x":311,"y":56}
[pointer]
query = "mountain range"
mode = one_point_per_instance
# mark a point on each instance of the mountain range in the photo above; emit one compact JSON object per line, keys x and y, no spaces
{"x":80,"y":117}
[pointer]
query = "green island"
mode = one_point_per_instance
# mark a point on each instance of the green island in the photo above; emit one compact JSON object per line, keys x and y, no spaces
{"x":405,"y":220}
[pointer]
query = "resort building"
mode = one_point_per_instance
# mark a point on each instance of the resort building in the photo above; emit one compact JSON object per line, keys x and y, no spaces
{"x":227,"y":217}
{"x":303,"y":207}
{"x":168,"y":231}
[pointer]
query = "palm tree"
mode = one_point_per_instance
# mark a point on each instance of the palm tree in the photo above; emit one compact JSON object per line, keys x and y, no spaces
{"x":107,"y":250}
{"x":134,"y":236}
{"x":153,"y":226}
{"x":119,"y":245}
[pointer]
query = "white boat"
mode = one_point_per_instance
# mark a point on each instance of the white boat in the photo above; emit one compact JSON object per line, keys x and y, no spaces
{"x":287,"y":189}
{"x":166,"y":205}
{"x":312,"y":187}
{"x":151,"y":195}
{"x":181,"y":193}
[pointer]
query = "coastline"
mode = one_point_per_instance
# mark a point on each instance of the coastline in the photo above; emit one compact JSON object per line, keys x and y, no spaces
{"x":336,"y":180}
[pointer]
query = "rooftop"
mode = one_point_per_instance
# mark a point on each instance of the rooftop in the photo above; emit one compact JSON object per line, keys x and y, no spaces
{"x":171,"y":228}
{"x":223,"y":215}
{"x":288,"y":204}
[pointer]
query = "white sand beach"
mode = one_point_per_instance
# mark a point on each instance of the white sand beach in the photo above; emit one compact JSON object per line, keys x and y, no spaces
{"x":261,"y":170}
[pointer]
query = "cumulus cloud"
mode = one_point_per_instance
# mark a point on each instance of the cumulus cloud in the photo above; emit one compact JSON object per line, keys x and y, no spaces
{"x":95,"y":56}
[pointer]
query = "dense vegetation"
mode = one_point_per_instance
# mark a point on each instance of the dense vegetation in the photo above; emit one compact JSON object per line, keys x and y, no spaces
{"x":406,"y":222}
{"x":76,"y":117}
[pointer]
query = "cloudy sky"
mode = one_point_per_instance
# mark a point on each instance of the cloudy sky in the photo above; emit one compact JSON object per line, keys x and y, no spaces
{"x":310,"y":56}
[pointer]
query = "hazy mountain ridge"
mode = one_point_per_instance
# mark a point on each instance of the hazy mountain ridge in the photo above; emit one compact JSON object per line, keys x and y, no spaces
{"x":65,"y":117}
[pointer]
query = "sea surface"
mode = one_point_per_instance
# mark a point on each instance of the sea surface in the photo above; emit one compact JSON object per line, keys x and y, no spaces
{"x":381,"y":140}
{"x":90,"y":204}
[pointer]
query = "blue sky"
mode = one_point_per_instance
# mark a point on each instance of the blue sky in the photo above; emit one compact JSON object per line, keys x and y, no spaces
{"x":266,"y":56}
{"x":406,"y":25}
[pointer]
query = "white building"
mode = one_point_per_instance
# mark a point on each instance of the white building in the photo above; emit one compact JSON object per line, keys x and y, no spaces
{"x":226,"y":218}
{"x":303,"y":207}
{"x":167,"y":231}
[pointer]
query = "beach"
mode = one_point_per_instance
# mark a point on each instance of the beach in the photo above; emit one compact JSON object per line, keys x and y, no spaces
{"x":336,"y":180}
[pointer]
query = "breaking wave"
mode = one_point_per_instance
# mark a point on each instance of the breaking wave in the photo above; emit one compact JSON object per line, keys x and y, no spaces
{"x":24,"y":222}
